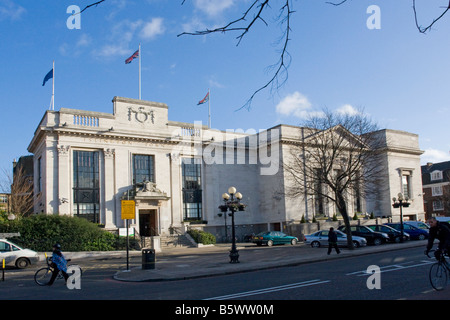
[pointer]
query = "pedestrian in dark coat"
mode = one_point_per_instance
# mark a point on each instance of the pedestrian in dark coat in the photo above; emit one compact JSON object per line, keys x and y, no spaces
{"x":332,"y":241}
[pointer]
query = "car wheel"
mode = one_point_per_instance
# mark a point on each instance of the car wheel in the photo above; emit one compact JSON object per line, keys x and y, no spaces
{"x":397,"y":239}
{"x":293,"y":242}
{"x":377,"y":241}
{"x":422,"y":237}
{"x":355,"y":244}
{"x":269,"y":243}
{"x":315,"y":244}
{"x":22,"y":263}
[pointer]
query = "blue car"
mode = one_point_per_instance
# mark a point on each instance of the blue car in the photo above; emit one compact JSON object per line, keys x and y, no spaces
{"x":414,"y":233}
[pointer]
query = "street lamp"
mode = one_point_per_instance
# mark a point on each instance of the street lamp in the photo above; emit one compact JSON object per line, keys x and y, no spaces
{"x":232,"y":202}
{"x":402,"y":202}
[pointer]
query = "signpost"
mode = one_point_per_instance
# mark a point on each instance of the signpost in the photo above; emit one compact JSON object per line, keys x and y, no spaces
{"x":128,"y":212}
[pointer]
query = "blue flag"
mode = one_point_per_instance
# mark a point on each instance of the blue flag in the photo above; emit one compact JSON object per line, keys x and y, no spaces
{"x":48,"y":77}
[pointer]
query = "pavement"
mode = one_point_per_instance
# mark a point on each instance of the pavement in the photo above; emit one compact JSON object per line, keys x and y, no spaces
{"x":191,"y":263}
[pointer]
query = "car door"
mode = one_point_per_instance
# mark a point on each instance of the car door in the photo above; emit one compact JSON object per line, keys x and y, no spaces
{"x":323,"y":238}
{"x":341,"y":239}
{"x":6,"y":252}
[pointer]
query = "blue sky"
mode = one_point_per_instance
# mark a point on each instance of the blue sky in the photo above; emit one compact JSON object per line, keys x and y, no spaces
{"x":398,"y":75}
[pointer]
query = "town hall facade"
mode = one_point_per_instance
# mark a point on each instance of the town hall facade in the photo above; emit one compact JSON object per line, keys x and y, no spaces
{"x":86,"y":163}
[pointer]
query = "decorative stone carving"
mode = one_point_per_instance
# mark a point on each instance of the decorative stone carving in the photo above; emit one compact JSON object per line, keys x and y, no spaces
{"x":63,"y":150}
{"x":109,"y":153}
{"x":141,"y":115}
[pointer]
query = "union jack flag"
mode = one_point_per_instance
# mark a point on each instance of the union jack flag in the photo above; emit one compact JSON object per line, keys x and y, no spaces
{"x":204,"y":100}
{"x":134,"y":56}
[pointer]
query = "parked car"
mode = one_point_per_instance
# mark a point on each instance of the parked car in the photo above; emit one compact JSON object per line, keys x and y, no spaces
{"x":320,"y":238}
{"x":15,"y":255}
{"x":418,"y":224}
{"x":415,"y":233}
{"x":394,"y":235}
{"x":372,"y":237}
{"x":273,"y":237}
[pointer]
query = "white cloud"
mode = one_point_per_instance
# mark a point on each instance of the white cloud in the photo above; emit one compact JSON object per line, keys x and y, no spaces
{"x":213,"y":7}
{"x":10,"y":10}
{"x":347,"y":109}
{"x":124,"y":33}
{"x":296,"y":105}
{"x":434,"y":156}
{"x":84,"y":41}
{"x":152,"y":28}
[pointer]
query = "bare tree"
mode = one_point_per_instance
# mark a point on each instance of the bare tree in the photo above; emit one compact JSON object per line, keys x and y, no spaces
{"x":20,"y":187}
{"x":336,"y":161}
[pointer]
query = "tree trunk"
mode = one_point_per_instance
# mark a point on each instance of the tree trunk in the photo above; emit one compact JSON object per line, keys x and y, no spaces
{"x":343,"y":209}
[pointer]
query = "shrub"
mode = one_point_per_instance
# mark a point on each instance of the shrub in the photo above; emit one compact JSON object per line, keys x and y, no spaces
{"x":41,"y":232}
{"x":202,"y":237}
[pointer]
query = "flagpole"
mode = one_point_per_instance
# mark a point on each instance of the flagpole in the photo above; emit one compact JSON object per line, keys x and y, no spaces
{"x":53,"y":87}
{"x":140,"y":96}
{"x":209,"y":108}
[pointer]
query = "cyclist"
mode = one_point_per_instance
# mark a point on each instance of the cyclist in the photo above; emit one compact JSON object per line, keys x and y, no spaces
{"x":440,"y":231}
{"x":59,"y":263}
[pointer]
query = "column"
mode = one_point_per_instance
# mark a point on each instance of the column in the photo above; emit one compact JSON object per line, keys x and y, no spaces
{"x":109,"y":174}
{"x":64,"y":188}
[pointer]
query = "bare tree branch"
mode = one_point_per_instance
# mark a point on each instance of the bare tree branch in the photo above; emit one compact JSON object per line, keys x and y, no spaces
{"x":91,"y":5}
{"x":427,"y":28}
{"x":257,"y":8}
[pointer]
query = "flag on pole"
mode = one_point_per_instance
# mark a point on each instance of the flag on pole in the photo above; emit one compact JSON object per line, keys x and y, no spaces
{"x":133,"y":56}
{"x":48,"y":77}
{"x":204,"y":100}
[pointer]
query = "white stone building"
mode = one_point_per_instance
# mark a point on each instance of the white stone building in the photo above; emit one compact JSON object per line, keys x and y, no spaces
{"x":86,"y":162}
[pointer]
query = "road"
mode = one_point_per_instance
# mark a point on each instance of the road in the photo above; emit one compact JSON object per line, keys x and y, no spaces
{"x":403,"y":275}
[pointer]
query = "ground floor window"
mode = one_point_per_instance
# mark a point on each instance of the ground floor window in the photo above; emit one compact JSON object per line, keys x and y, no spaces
{"x":86,"y":187}
{"x":192,"y":191}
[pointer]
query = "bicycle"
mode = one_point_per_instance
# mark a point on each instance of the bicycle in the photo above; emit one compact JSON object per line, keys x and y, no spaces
{"x":42,"y":276}
{"x":439,"y":272}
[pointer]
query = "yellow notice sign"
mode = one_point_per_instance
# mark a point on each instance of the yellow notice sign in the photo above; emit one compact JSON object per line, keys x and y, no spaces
{"x":128,"y":209}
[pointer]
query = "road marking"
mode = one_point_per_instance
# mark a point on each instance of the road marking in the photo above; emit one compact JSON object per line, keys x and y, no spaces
{"x":271,"y":289}
{"x":393,"y":267}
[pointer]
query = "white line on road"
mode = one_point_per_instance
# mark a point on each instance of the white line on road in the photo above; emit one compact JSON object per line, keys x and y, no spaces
{"x":393,"y":267}
{"x":272,"y":289}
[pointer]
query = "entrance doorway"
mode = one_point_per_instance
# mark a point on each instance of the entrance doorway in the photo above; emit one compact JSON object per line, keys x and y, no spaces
{"x":148,"y":226}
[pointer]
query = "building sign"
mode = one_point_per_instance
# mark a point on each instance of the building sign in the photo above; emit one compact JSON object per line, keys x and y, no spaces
{"x":128,"y":209}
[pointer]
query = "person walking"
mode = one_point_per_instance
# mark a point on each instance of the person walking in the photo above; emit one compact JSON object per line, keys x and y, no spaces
{"x":332,"y":241}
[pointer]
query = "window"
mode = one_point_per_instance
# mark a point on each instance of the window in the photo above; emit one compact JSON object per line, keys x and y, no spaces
{"x":406,"y":186}
{"x":86,"y":185}
{"x":143,"y":168}
{"x":39,"y":182}
{"x":192,"y":192}
{"x":438,"y":205}
{"x":436,"y":175}
{"x":436,"y":191}
{"x":4,"y":247}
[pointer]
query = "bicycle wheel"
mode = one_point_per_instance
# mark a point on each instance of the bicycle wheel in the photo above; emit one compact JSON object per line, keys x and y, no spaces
{"x":438,"y":276}
{"x":42,"y":276}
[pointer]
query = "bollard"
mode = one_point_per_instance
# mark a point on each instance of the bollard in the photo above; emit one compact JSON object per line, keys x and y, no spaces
{"x":148,"y":259}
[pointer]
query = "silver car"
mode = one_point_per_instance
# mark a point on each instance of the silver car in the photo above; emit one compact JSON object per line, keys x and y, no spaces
{"x":320,"y":238}
{"x":13,"y":255}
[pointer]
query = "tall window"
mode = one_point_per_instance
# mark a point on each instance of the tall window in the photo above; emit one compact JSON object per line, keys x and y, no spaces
{"x":192,"y":192}
{"x":406,"y":188}
{"x":39,"y":183}
{"x":143,"y":168}
{"x":86,"y":185}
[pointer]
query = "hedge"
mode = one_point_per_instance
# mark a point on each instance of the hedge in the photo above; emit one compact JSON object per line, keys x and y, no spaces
{"x":40,"y":232}
{"x":202,"y":237}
